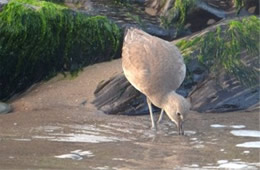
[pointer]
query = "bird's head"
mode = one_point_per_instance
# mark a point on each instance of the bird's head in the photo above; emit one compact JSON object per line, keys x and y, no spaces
{"x":177,"y":107}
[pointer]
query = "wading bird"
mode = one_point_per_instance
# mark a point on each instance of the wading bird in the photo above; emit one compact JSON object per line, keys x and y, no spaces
{"x":156,"y":68}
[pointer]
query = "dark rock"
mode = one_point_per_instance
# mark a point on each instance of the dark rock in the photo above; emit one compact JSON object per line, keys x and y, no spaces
{"x":157,"y":31}
{"x":222,"y":95}
{"x":118,"y":96}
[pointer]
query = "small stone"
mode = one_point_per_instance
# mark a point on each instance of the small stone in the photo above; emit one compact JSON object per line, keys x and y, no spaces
{"x":4,"y":108}
{"x":188,"y":25}
{"x":211,"y":21}
{"x":251,"y":10}
{"x":151,"y":11}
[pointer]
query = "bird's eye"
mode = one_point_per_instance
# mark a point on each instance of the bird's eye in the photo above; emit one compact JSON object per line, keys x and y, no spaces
{"x":179,"y":114}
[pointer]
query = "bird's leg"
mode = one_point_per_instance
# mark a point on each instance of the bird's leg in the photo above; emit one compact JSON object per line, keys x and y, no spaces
{"x":151,"y":113}
{"x":161,"y":116}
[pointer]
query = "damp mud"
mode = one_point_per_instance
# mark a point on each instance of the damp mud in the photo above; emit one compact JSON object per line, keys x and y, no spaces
{"x":54,"y":126}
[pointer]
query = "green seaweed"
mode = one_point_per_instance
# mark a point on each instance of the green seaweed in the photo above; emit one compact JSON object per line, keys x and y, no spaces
{"x":39,"y":39}
{"x":239,"y":4}
{"x":177,"y":14}
{"x":221,"y":48}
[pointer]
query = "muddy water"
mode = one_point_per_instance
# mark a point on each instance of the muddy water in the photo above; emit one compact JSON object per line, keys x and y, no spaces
{"x":95,"y":141}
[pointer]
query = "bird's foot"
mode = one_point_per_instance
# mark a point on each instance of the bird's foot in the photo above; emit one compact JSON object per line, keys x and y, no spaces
{"x":154,"y":128}
{"x":158,"y":121}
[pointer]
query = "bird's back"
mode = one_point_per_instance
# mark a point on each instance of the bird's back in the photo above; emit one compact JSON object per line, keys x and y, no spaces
{"x":152,"y":65}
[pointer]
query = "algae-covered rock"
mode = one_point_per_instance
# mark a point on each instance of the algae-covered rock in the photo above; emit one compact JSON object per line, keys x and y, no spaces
{"x":231,"y":46}
{"x":39,"y":39}
{"x":229,"y":55}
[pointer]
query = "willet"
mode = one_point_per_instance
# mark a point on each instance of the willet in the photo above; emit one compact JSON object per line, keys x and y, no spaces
{"x":156,"y":68}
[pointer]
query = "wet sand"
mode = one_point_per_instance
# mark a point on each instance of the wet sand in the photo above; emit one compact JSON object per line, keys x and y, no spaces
{"x":54,"y":126}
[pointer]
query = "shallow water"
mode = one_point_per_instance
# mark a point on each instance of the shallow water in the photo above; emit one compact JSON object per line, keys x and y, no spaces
{"x":129,"y":143}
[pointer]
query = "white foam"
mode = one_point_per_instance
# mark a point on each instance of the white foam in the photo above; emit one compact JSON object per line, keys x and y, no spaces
{"x":85,"y":138}
{"x":231,"y":126}
{"x":83,"y":153}
{"x":222,"y":161}
{"x":193,"y":139}
{"x":100,"y":168}
{"x":194,"y":166}
{"x":255,"y":144}
{"x":118,"y":159}
{"x":236,"y":165}
{"x":232,"y":165}
{"x":246,"y":152}
{"x":43,"y":137}
{"x":246,"y":133}
{"x":218,"y":126}
{"x":76,"y":155}
{"x":238,"y":126}
{"x":70,"y":156}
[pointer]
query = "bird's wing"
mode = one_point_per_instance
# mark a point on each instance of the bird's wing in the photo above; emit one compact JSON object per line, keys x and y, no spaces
{"x":135,"y":66}
{"x":152,"y":64}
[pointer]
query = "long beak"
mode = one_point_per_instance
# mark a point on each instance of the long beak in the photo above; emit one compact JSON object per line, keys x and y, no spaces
{"x":180,"y":128}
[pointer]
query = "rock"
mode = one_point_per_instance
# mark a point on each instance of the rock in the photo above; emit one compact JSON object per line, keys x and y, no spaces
{"x":4,"y":108}
{"x":157,"y":31}
{"x":2,"y":4}
{"x":118,"y":96}
{"x":223,"y":95}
